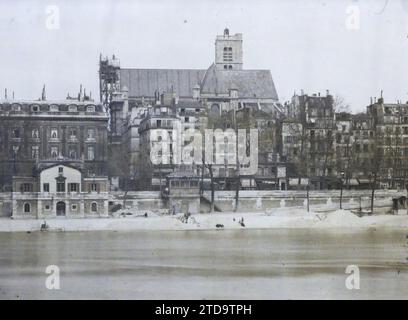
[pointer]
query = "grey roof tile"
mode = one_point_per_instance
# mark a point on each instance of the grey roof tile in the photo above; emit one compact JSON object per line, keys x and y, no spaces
{"x":250,"y":83}
{"x":144,"y":82}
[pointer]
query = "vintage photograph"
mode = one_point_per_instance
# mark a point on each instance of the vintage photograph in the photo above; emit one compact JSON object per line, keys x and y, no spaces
{"x":204,"y":150}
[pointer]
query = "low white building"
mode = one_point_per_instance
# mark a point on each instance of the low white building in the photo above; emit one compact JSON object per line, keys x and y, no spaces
{"x":59,"y":189}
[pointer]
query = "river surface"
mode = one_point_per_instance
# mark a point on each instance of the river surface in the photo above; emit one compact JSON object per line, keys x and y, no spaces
{"x":224,"y":264}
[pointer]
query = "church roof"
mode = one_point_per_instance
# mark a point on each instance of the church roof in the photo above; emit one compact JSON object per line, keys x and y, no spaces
{"x":250,"y":83}
{"x":144,"y":82}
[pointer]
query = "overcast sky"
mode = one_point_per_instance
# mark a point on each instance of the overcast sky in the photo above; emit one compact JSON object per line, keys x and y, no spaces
{"x":306,"y":44}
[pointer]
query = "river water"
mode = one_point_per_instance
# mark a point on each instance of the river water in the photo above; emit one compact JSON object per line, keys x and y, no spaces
{"x":224,"y":264}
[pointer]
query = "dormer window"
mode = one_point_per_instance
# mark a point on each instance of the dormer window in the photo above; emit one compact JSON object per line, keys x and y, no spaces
{"x":16,"y":107}
{"x":54,"y":108}
{"x":72,"y":108}
{"x":35,"y":108}
{"x":90,"y":109}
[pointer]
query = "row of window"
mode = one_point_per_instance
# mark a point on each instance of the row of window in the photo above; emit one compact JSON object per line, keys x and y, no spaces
{"x":72,"y":187}
{"x":184,"y":184}
{"x":396,"y":130}
{"x":321,"y":112}
{"x":314,"y":171}
{"x":159,"y":123}
{"x":74,"y":207}
{"x":339,"y":136}
{"x":16,"y":133}
{"x":53,"y":108}
{"x":55,"y":152}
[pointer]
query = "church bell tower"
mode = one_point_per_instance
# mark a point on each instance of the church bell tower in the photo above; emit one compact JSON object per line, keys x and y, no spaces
{"x":228,"y":51}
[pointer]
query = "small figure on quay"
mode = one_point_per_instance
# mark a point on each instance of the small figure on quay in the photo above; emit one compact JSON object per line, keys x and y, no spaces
{"x":44,"y":226}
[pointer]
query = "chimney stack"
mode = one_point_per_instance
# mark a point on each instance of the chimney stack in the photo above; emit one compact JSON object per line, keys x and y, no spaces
{"x":43,"y":95}
{"x":80,"y":95}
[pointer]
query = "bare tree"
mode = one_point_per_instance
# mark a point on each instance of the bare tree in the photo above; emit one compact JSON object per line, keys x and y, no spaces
{"x":376,"y":164}
{"x":326,"y":144}
{"x":347,"y":160}
{"x":340,"y":104}
{"x":300,"y":138}
{"x":213,"y":122}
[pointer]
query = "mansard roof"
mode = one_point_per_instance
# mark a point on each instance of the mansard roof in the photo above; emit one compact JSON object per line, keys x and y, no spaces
{"x":61,"y":105}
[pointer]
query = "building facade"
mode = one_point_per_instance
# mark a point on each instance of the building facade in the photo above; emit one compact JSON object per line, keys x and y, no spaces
{"x":59,"y":189}
{"x":358,"y":150}
{"x":34,"y":131}
{"x":198,"y":96}
{"x":309,"y":139}
{"x":389,"y":157}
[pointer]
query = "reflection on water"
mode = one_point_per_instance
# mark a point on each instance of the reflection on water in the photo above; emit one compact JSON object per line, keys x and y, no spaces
{"x":246,"y":264}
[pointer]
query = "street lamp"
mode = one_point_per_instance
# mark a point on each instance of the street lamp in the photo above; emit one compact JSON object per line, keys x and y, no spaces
{"x":341,"y":189}
{"x":406,"y":187}
{"x":307,"y":195}
{"x":373,"y":179}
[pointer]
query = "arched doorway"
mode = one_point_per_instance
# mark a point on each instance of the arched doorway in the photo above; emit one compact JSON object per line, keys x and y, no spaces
{"x":61,"y":208}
